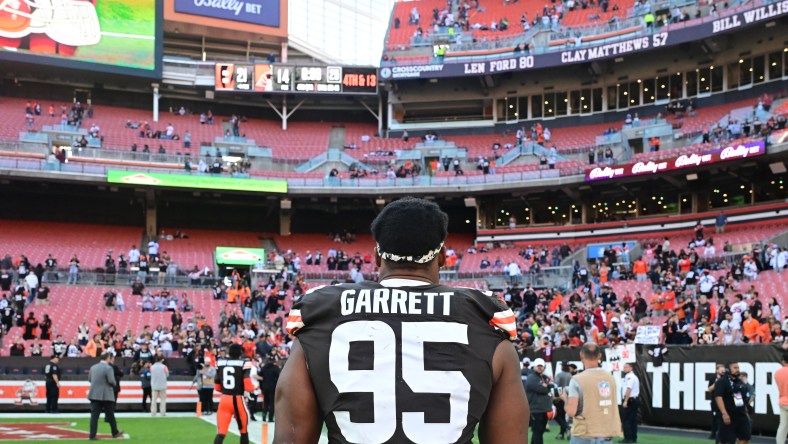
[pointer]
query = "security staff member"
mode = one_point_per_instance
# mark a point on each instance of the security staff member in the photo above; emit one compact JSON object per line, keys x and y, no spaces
{"x":52,"y":372}
{"x":592,"y":400}
{"x":630,"y":404}
{"x":730,"y":397}
{"x":716,"y":420}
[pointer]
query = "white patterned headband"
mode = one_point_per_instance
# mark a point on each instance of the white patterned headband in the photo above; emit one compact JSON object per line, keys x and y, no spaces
{"x":423,"y":259}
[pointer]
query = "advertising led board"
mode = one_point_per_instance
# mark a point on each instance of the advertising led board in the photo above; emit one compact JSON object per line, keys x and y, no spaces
{"x":685,"y":161}
{"x":238,"y":255}
{"x":257,"y":12}
{"x":195,"y":181}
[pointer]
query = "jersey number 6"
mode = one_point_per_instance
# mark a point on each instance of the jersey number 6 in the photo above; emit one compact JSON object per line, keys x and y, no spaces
{"x":381,"y":380}
{"x":228,"y":378}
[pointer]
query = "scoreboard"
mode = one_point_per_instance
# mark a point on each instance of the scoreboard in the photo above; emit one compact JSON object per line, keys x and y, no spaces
{"x":284,"y":78}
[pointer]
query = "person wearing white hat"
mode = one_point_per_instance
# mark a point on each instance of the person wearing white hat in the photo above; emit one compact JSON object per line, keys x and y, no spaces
{"x":525,"y":370}
{"x":538,"y":389}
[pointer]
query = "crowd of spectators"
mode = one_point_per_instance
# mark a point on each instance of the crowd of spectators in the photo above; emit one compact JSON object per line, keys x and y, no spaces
{"x":733,"y":128}
{"x":691,"y":305}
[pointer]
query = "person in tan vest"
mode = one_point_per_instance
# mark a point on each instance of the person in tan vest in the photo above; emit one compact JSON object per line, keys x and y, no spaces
{"x":592,"y":400}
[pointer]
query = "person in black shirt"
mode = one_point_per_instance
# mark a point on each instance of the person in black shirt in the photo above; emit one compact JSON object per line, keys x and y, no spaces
{"x":31,"y":325}
{"x":52,"y":373}
{"x":756,"y":308}
{"x":729,"y":395}
{"x":270,"y":376}
{"x":46,"y":328}
{"x":18,"y":349}
{"x":7,"y":318}
{"x":118,"y":375}
{"x":143,"y":354}
{"x":51,"y":266}
{"x":409,"y":323}
{"x":137,"y":287}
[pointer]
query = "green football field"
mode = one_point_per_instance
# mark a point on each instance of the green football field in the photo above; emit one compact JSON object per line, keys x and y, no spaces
{"x":191,"y":430}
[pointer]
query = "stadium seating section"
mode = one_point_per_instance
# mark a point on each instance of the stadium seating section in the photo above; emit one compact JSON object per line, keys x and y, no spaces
{"x":485,"y":15}
{"x":304,"y":140}
{"x":199,"y":248}
{"x":302,"y":243}
{"x":71,"y":305}
{"x":90,"y":242}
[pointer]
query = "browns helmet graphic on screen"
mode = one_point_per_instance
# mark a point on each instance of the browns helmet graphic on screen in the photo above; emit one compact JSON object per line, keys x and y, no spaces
{"x":55,"y":27}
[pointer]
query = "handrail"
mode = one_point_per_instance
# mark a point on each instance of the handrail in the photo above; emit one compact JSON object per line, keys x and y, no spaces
{"x":32,"y":164}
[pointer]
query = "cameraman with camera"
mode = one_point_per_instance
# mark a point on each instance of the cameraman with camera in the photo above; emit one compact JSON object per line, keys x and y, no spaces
{"x":539,"y":390}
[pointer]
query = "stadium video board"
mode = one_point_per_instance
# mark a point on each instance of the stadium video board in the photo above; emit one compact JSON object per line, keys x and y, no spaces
{"x":196,"y":182}
{"x":115,"y":36}
{"x":239,"y":256}
{"x":283,"y":78}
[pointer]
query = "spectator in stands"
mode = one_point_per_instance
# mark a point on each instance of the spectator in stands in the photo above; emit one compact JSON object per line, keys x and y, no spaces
{"x":31,"y":327}
{"x":31,"y":287}
{"x":458,"y":168}
{"x":750,"y":328}
{"x":514,"y":273}
{"x":73,"y":350}
{"x":45,"y":328}
{"x":731,"y":330}
{"x":94,"y":347}
{"x":120,"y":303}
{"x":109,"y":299}
{"x":51,"y":268}
{"x":542,"y":161}
{"x":750,"y":270}
{"x":778,"y":259}
{"x":18,"y":349}
{"x":73,"y":269}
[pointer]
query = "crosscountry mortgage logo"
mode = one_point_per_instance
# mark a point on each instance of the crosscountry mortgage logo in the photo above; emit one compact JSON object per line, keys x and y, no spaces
{"x":42,"y":431}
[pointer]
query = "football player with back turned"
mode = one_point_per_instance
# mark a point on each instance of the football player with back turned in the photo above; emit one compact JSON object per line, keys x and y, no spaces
{"x":405,"y":360}
{"x":232,"y":380}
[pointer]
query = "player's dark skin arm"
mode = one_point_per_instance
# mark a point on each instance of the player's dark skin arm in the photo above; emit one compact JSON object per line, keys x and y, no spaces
{"x":297,"y":417}
{"x":507,"y":416}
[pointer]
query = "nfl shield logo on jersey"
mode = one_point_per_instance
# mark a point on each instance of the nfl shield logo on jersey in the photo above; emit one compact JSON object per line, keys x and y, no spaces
{"x":604,"y":389}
